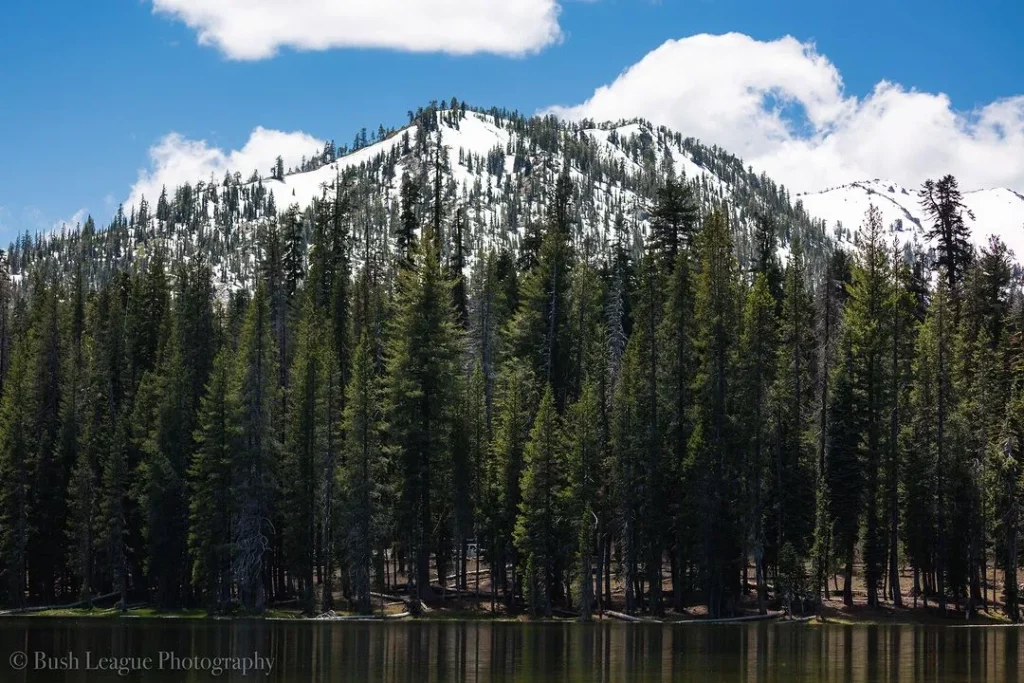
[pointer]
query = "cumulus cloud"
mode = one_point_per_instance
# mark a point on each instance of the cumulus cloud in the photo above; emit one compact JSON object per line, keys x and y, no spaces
{"x":256,"y":29}
{"x":77,"y":218}
{"x":176,"y":160}
{"x":781,"y":106}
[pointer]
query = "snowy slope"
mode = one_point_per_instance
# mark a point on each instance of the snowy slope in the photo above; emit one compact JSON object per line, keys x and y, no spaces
{"x":501,"y":173}
{"x":478,"y":135}
{"x":997,"y":212}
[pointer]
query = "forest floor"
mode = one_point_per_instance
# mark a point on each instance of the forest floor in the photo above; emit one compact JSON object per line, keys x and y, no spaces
{"x":476,"y":603}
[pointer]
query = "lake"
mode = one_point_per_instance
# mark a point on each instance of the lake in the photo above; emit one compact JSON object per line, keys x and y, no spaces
{"x":42,"y":649}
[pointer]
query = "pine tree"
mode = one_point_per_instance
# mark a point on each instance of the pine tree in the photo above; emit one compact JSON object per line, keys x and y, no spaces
{"x":420,"y":395}
{"x":162,"y":426}
{"x":931,"y":460}
{"x":713,"y":445}
{"x":409,"y":223}
{"x":1007,"y":459}
{"x":540,"y":330}
{"x":585,"y":450}
{"x":304,"y":453}
{"x":113,"y":507}
{"x":758,"y":349}
{"x":793,"y":397}
{"x":47,"y":470}
{"x":830,"y":299}
{"x":902,"y":328}
{"x":293,"y":259}
{"x":866,"y":319}
{"x":361,"y":483}
{"x":677,"y":362}
{"x":17,"y":436}
{"x":943,"y":204}
{"x":844,"y":471}
{"x":673,"y":218}
{"x":212,"y":508}
{"x":514,"y":412}
{"x":254,"y":475}
{"x":539,"y":531}
{"x":641,"y":469}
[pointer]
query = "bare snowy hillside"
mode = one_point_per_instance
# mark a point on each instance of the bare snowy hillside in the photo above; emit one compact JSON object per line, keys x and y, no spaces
{"x":996,"y":211}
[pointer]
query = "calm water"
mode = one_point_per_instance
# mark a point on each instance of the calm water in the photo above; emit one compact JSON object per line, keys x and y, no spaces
{"x":425,"y":652}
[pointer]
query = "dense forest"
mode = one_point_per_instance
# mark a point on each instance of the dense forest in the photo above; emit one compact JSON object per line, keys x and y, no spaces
{"x":384,"y":401}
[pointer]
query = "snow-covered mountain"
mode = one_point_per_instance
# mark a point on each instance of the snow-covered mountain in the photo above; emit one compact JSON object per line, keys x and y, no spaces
{"x":498,"y":171}
{"x":996,"y":211}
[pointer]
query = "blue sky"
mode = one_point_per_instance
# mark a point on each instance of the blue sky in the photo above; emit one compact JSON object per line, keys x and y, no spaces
{"x":87,"y":89}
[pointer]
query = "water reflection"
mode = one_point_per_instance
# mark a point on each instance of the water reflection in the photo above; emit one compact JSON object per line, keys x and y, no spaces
{"x":450,"y":652}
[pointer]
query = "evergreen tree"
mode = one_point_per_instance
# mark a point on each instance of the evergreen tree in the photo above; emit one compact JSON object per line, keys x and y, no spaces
{"x":212,"y":508}
{"x":830,"y":300}
{"x":677,"y":361}
{"x":673,"y":218}
{"x":758,"y":348}
{"x":420,"y":395}
{"x":943,"y":204}
{"x":362,"y":476}
{"x":293,"y":258}
{"x":868,"y":329}
{"x":539,"y":531}
{"x":47,"y":470}
{"x":583,"y":434}
{"x":1007,"y":458}
{"x":305,"y":452}
{"x":409,"y":223}
{"x":515,"y":403}
{"x":793,"y":398}
{"x":902,"y":328}
{"x":17,"y":436}
{"x":539,"y":332}
{"x":844,"y":470}
{"x":113,"y":508}
{"x":641,"y":469}
{"x":931,"y":460}
{"x":254,"y":475}
{"x":713,"y":445}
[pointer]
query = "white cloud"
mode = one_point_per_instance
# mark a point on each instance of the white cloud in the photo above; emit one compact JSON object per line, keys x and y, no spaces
{"x":176,"y":160}
{"x":780,"y":105}
{"x":77,"y":218}
{"x":256,"y":29}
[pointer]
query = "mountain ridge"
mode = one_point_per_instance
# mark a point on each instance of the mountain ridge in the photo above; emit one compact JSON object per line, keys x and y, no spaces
{"x":499,"y":168}
{"x":498,"y":172}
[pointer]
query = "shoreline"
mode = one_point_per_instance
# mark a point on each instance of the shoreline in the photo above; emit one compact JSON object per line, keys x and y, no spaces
{"x":857,"y":616}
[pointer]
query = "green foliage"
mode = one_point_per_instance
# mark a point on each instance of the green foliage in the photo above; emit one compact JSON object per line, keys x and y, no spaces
{"x":212,"y":508}
{"x":222,"y":412}
{"x":714,"y":444}
{"x":363,"y":485}
{"x":541,"y":529}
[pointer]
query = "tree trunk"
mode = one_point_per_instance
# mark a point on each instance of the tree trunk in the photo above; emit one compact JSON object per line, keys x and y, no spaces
{"x":848,"y":578}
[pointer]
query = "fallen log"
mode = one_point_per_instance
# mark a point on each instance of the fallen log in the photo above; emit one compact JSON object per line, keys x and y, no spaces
{"x":45,"y":608}
{"x":796,"y":620}
{"x":332,"y":616}
{"x":399,"y":598}
{"x":629,"y":617}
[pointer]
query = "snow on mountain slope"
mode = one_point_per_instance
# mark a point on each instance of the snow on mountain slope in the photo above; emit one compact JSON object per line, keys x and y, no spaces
{"x":479,"y":136}
{"x":303,"y":188}
{"x":997,"y":212}
{"x":499,"y":179}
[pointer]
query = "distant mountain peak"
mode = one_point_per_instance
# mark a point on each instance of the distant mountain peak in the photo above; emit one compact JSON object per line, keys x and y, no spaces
{"x":997,"y":211}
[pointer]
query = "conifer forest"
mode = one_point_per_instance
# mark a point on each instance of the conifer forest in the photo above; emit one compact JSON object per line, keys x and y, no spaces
{"x":566,"y":383}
